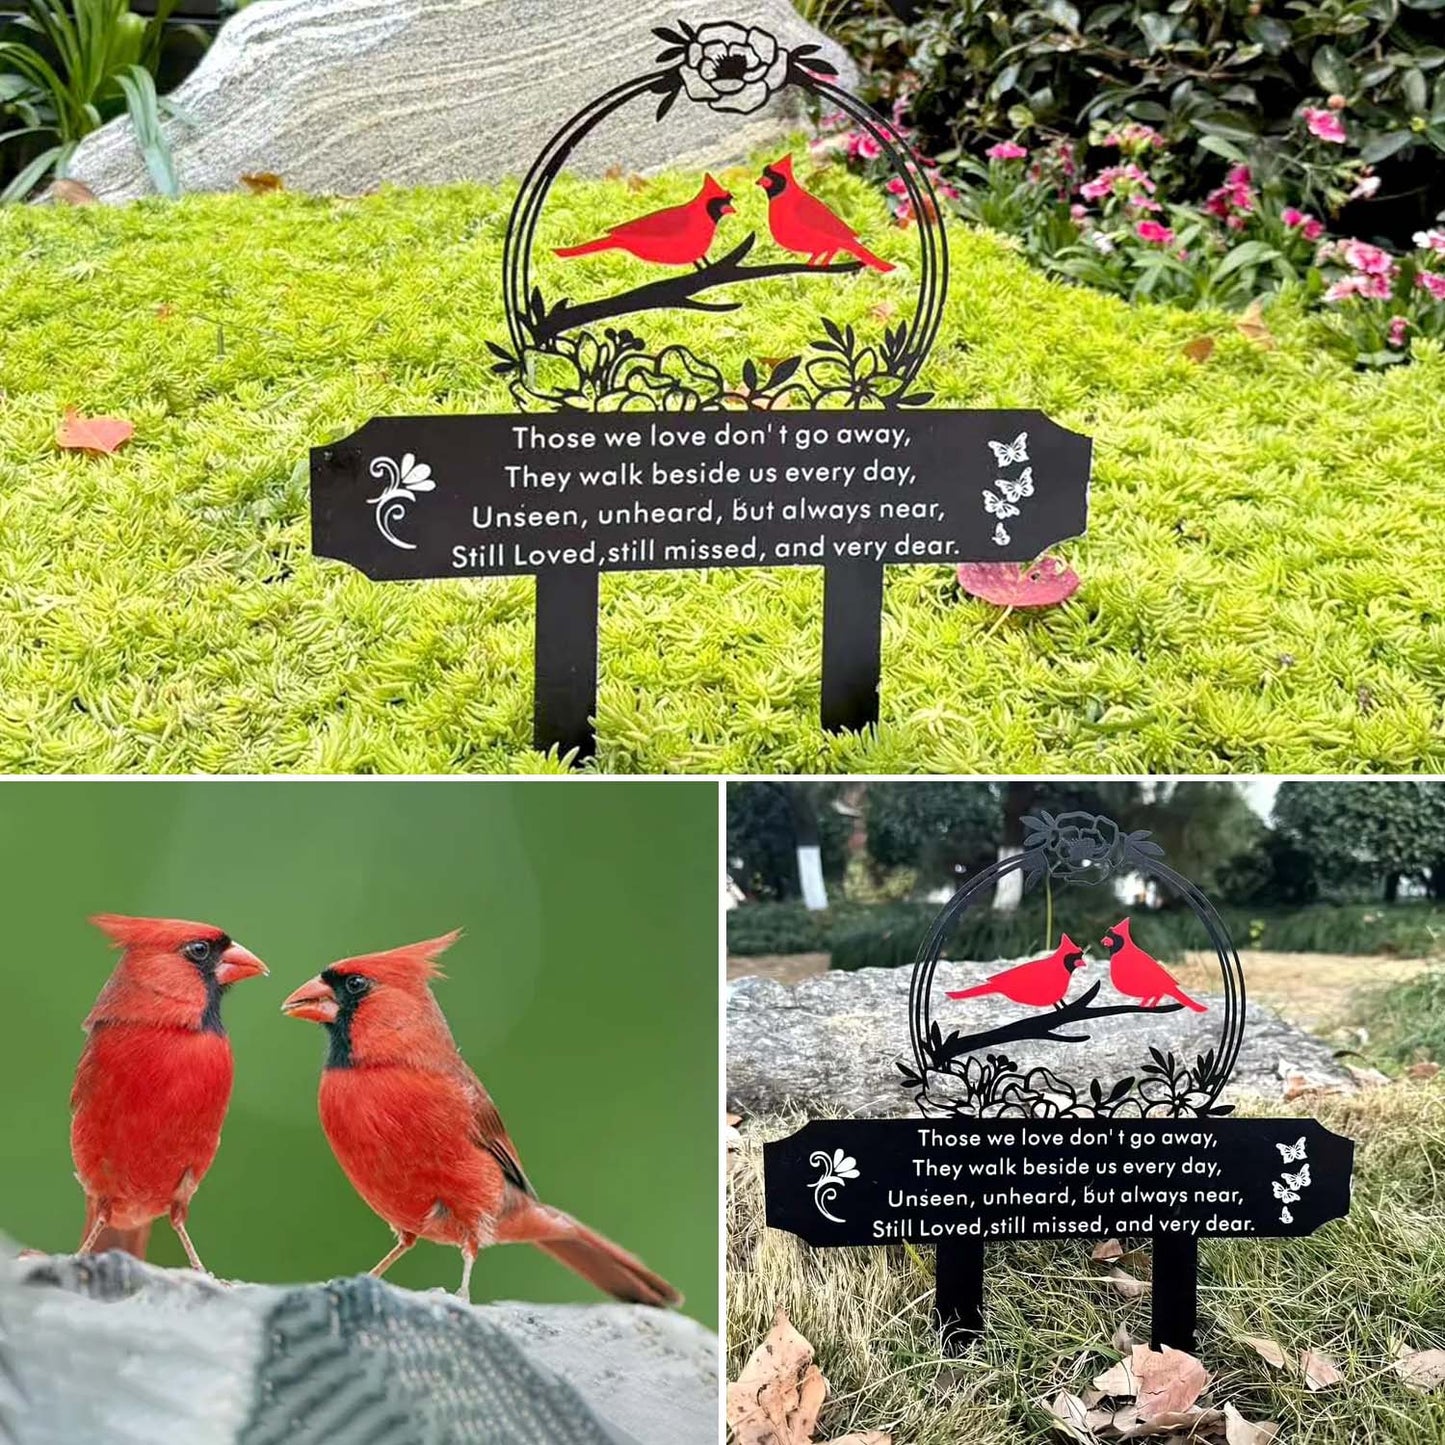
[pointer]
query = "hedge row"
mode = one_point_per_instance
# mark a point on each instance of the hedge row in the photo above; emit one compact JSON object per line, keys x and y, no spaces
{"x":889,"y":936}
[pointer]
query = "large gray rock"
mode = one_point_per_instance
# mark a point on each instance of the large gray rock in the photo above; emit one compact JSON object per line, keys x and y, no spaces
{"x":830,"y":1043}
{"x":344,"y":95}
{"x":109,"y":1351}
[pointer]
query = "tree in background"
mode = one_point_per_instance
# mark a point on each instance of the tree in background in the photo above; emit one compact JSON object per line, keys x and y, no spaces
{"x":940,"y":830}
{"x":1363,"y":839}
{"x":771,"y":825}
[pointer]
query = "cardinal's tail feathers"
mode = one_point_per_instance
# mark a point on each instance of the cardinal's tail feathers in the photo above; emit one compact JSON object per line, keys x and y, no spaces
{"x":977,"y":991}
{"x":1188,"y":1002}
{"x":602,"y":243}
{"x":129,"y":1241}
{"x":866,"y":256}
{"x":610,"y":1267}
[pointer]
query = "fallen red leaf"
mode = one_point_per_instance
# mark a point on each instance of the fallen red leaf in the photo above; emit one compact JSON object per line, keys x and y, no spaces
{"x":1010,"y":584}
{"x":261,"y":183}
{"x":105,"y":434}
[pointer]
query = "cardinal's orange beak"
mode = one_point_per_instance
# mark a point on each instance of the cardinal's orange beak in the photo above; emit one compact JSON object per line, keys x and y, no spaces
{"x":313,"y":1001}
{"x":238,"y":963}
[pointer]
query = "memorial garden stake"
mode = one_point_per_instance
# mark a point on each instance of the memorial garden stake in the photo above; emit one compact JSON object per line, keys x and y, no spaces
{"x":1006,"y":1149}
{"x":630,"y":455}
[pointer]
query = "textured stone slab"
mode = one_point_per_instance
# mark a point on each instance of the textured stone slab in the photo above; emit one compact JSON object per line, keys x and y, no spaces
{"x":110,"y":1349}
{"x":831,"y":1042}
{"x":345,"y":95}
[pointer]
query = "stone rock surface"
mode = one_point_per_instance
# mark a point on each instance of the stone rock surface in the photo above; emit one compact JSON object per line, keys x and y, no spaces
{"x":830,"y":1043}
{"x":107,"y":1349}
{"x":345,"y":95}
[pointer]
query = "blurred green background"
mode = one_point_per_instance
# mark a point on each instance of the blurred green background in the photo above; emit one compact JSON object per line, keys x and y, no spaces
{"x":584,"y":992}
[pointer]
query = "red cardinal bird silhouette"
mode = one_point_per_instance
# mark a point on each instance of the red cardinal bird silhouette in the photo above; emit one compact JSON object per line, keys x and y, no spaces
{"x":676,"y":236}
{"x":154,"y":1080}
{"x":420,"y":1138}
{"x":802,"y":223}
{"x":1038,"y":983}
{"x":1133,"y":972}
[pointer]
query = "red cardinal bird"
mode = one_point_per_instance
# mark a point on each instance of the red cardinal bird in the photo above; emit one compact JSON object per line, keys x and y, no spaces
{"x":1038,"y":983}
{"x":676,"y":236}
{"x":154,"y":1080}
{"x":802,"y":223}
{"x":1133,"y":972}
{"x":418,"y":1135}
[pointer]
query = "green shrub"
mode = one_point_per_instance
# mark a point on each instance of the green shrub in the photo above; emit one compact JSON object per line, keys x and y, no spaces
{"x":1224,"y":84}
{"x":1407,"y":1020}
{"x":68,"y":66}
{"x":1262,"y":588}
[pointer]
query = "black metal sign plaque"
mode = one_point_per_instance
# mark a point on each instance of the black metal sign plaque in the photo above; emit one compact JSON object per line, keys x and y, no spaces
{"x":632,"y":455}
{"x":1005,"y":1150}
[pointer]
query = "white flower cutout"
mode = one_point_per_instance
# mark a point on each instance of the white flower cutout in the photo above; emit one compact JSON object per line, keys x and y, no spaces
{"x":404,"y":482}
{"x":733,"y":68}
{"x":837,"y":1168}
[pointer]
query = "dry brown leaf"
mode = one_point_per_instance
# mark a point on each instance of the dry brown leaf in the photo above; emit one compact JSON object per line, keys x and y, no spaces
{"x":1170,"y":1381}
{"x":1251,"y":326}
{"x":1123,"y":1341}
{"x":1070,"y":1416}
{"x":1320,"y":1371}
{"x":1119,"y":1379}
{"x":1367,"y":1078}
{"x":767,"y":1403}
{"x":1098,"y":1420}
{"x":1108,"y":1251}
{"x":1195,"y":1423}
{"x":1267,"y":1350}
{"x":1423,"y":1070}
{"x":1124,"y":1283}
{"x":1422,"y":1370}
{"x":1200,"y":349}
{"x":868,"y":1437}
{"x":262,"y":183}
{"x":733,"y":1120}
{"x":66,"y":192}
{"x":105,"y":434}
{"x":1239,"y":1431}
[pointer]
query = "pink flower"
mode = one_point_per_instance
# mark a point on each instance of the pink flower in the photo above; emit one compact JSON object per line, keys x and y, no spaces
{"x":1153,"y":231}
{"x":1433,"y":283}
{"x":1324,"y":124}
{"x":862,"y":147}
{"x":1107,"y":182}
{"x":1365,"y":187}
{"x":1372,"y":288}
{"x":1311,"y":228}
{"x":1078,"y":211}
{"x":1006,"y":150}
{"x":1134,"y":136}
{"x":1430,"y":240}
{"x":1361,"y":256}
{"x":1234,"y":200}
{"x":1399,"y":325}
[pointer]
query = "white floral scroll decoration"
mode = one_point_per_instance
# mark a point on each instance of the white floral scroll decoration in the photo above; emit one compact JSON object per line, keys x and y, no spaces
{"x":837,"y":1168}
{"x":403,"y":483}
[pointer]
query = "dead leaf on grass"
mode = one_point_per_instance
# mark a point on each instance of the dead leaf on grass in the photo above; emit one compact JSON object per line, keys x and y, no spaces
{"x":1421,"y":1370}
{"x":1200,"y":349}
{"x":1119,"y":1379}
{"x":262,"y":183}
{"x":1110,"y":1249}
{"x":1124,"y":1283}
{"x":66,"y":192}
{"x":776,"y":1398}
{"x":1071,"y":1416}
{"x":1239,"y":1431}
{"x":1251,"y":326}
{"x":1195,"y":1424}
{"x":1424,"y":1070}
{"x":1169,"y":1381}
{"x":104,"y":434}
{"x":1319,"y":1370}
{"x":1267,"y":1350}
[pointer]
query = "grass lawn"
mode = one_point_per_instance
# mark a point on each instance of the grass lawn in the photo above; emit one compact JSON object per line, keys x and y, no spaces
{"x":1356,"y":1289}
{"x":1263,"y":587}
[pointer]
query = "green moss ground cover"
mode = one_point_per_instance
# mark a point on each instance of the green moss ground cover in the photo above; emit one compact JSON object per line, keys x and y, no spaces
{"x":1263,"y":588}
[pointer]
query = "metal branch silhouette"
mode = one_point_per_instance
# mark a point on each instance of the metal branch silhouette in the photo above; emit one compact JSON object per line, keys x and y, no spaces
{"x":678,"y":291}
{"x":1042,"y":1026}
